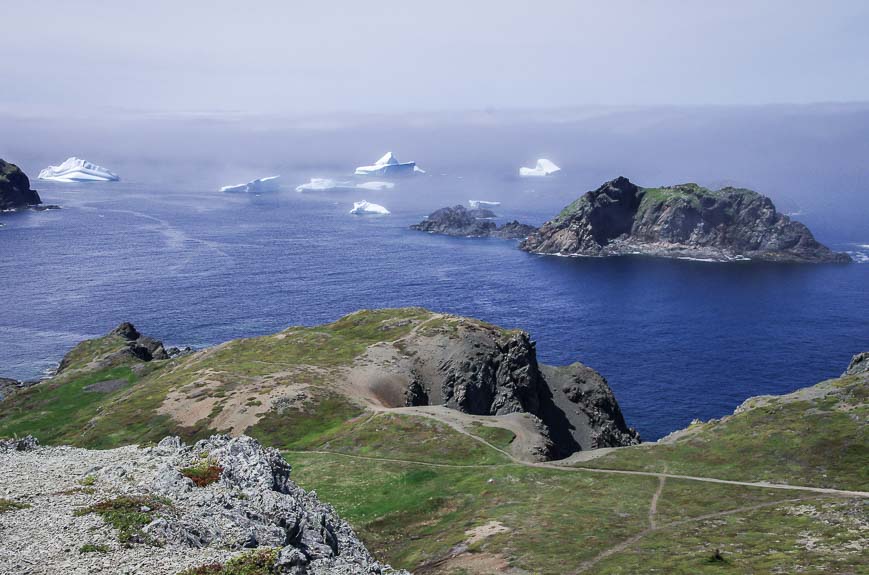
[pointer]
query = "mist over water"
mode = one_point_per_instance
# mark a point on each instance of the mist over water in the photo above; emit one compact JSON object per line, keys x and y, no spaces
{"x":676,"y":339}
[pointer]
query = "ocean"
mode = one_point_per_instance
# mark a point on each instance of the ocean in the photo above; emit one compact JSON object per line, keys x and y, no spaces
{"x":676,"y":339}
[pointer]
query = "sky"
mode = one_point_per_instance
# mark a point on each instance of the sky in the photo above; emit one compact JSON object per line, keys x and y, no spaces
{"x":305,"y":57}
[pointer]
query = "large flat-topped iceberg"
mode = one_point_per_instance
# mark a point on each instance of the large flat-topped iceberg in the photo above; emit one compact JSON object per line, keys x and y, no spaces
{"x":256,"y":186}
{"x":388,"y":165}
{"x":544,"y":167}
{"x":329,"y":185}
{"x":477,"y":204}
{"x":363,"y":208}
{"x":77,"y":170}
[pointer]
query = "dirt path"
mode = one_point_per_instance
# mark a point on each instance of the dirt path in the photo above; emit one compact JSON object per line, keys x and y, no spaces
{"x":653,"y":507}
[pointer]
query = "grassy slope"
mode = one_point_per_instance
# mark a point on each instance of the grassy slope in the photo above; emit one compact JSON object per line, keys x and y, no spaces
{"x":819,"y":441}
{"x":415,"y":512}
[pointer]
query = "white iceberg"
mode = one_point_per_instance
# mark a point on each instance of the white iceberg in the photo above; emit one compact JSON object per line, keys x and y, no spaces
{"x":256,"y":186}
{"x":388,"y":165}
{"x":329,"y":185}
{"x":477,"y":204}
{"x":77,"y":170}
{"x":362,"y":208}
{"x":544,"y":167}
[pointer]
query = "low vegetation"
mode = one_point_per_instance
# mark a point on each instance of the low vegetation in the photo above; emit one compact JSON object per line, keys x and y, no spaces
{"x":93,"y":548}
{"x":128,"y":514}
{"x":7,"y":505}
{"x":257,"y":562}
{"x":203,"y":474}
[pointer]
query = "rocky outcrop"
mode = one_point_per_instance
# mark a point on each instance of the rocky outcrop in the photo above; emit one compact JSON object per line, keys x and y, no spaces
{"x":252,"y":504}
{"x":15,"y":189}
{"x":122,"y":344}
{"x":480,"y":369}
{"x":859,"y":364}
{"x":687,"y":220}
{"x":475,"y":223}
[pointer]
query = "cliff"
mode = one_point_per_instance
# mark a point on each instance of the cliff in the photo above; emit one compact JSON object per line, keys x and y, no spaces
{"x":15,"y":189}
{"x":686,"y":220}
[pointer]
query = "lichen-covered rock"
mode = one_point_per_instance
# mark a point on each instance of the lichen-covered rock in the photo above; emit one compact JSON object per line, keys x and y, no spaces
{"x":15,"y":189}
{"x":679,"y":221}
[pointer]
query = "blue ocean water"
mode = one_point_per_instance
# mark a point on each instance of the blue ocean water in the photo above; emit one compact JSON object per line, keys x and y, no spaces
{"x":676,"y":339}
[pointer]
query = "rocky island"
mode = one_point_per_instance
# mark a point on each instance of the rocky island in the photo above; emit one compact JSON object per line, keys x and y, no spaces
{"x":474,"y":223}
{"x":15,"y":192}
{"x":683,"y":221}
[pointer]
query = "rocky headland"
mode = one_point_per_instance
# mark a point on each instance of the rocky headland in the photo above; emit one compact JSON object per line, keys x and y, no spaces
{"x":683,"y":221}
{"x":167,"y":509}
{"x":471,"y":223}
{"x":15,"y":192}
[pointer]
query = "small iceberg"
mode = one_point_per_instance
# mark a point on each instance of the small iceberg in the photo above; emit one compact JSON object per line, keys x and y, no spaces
{"x":388,"y":165}
{"x":544,"y":167}
{"x":77,"y":170}
{"x":364,"y":208}
{"x":477,"y":204}
{"x":329,"y":185}
{"x":269,"y":184}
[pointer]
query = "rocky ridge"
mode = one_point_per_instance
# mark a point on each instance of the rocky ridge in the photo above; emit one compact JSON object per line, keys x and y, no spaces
{"x":474,"y":223}
{"x":683,"y":221}
{"x":15,"y":189}
{"x":252,"y":504}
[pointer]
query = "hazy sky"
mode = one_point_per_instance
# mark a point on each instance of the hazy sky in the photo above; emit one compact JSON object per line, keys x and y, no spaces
{"x":294,"y":57}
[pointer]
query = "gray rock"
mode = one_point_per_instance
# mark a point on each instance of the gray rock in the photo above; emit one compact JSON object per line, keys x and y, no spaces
{"x":15,"y":192}
{"x":27,"y":443}
{"x":859,"y":364}
{"x":462,"y":222}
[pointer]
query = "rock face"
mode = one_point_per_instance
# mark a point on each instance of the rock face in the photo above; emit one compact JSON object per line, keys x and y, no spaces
{"x":483,"y":370}
{"x":252,"y":504}
{"x":15,"y":189}
{"x":474,"y":223}
{"x":680,"y":221}
{"x":859,"y":364}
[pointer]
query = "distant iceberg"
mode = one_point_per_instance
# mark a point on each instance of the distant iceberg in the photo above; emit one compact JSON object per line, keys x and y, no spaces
{"x":477,"y":204}
{"x":269,"y":184}
{"x":389,"y":166}
{"x":362,"y":208}
{"x":77,"y":170}
{"x":544,"y":167}
{"x":329,"y":185}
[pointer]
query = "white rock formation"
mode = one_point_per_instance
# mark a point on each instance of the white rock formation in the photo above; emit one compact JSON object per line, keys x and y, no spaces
{"x":544,"y":167}
{"x":364,"y":208}
{"x":477,"y":204}
{"x":77,"y":170}
{"x":388,"y":165}
{"x":269,"y":184}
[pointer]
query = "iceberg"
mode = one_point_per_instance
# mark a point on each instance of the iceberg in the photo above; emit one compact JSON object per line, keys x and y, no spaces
{"x":388,"y":165}
{"x":269,"y":184}
{"x":477,"y":204}
{"x":363,"y":208}
{"x":329,"y":185}
{"x":544,"y":167}
{"x":77,"y":170}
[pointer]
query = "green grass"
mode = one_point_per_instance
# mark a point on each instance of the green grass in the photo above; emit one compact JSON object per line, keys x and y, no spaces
{"x":7,"y":505}
{"x":823,"y":442}
{"x":128,"y":514}
{"x":306,"y":426}
{"x":57,"y":411}
{"x":497,"y":436}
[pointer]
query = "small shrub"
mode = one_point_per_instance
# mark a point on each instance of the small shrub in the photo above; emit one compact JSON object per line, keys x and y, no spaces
{"x":91,"y":548}
{"x":87,"y":481}
{"x":127,"y":514}
{"x":9,"y":505}
{"x":203,"y":474}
